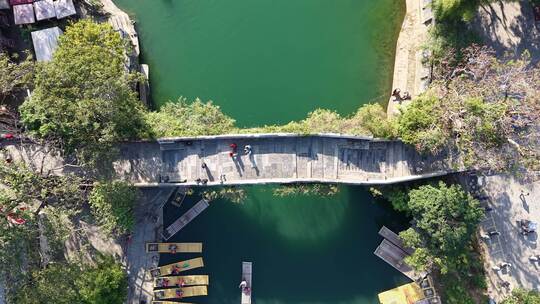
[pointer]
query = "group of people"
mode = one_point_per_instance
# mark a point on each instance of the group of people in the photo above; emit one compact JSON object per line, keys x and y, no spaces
{"x":234,"y":150}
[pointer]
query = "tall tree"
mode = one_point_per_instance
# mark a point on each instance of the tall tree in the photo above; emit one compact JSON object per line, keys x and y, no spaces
{"x":83,"y":99}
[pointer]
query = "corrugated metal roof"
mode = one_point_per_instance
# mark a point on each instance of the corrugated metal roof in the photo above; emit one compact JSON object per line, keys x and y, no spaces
{"x":45,"y":43}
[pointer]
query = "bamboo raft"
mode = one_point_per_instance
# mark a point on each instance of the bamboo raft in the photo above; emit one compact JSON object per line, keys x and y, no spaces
{"x":180,"y":293}
{"x":174,"y":247}
{"x":246,"y":276}
{"x":175,"y":268}
{"x":179,"y":281}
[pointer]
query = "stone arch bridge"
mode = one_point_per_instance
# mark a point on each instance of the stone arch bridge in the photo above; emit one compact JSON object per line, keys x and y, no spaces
{"x":275,"y":158}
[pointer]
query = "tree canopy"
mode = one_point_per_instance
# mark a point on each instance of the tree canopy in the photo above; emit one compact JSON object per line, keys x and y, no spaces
{"x":445,"y":219}
{"x":521,"y":296}
{"x":66,"y":283}
{"x":14,"y":75}
{"x":485,"y":108}
{"x":112,"y":205}
{"x":83,"y":99}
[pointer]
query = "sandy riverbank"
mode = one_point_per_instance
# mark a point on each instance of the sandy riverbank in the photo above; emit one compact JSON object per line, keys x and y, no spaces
{"x":408,"y":70}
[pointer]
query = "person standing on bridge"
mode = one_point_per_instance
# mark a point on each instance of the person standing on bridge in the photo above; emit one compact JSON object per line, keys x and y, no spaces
{"x":234,"y":148}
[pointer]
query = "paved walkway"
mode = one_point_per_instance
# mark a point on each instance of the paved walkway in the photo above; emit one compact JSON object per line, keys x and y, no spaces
{"x":275,"y":159}
{"x":509,"y":207}
{"x":148,"y":226}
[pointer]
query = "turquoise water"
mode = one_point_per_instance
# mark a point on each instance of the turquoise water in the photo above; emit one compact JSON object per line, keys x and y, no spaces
{"x":269,"y":61}
{"x":305,"y":250}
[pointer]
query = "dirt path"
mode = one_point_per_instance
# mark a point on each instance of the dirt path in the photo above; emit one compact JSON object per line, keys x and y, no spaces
{"x":508,"y":27}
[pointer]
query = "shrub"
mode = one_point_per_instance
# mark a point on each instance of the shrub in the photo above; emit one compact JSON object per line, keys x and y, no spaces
{"x":112,"y":205}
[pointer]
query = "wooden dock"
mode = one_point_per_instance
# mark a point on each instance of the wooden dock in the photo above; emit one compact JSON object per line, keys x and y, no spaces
{"x":394,"y":239}
{"x":180,"y":293}
{"x":173,"y":269}
{"x":247,"y":268}
{"x":179,"y":281}
{"x":174,"y":247}
{"x":394,"y":256}
{"x":182,"y":221}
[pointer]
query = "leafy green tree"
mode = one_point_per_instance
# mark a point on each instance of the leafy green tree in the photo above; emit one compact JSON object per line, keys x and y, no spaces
{"x":445,"y":219}
{"x":521,"y":296}
{"x":83,"y":99}
{"x":104,"y":284}
{"x":67,"y":283}
{"x":112,"y":205}
{"x":185,"y":118}
{"x":455,"y":9}
{"x":14,"y":76}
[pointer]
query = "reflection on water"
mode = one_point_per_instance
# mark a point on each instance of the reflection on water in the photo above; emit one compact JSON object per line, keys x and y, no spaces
{"x":298,"y":218}
{"x":304,"y":249}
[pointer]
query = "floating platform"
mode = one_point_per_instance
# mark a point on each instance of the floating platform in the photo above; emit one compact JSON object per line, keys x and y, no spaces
{"x":394,"y":239}
{"x":174,"y":269}
{"x":187,"y":217}
{"x":179,"y":281}
{"x":174,"y":247}
{"x":405,"y":294}
{"x":247,"y":268}
{"x":394,"y":256}
{"x":180,"y":293}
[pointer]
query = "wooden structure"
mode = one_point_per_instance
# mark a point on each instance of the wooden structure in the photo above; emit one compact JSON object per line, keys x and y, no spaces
{"x":182,"y":221}
{"x":406,"y":294}
{"x":174,"y":247}
{"x":45,"y":43}
{"x":395,"y":256}
{"x":180,"y":293}
{"x":394,"y":239}
{"x":180,"y":281}
{"x":175,"y":268}
{"x":247,"y":268}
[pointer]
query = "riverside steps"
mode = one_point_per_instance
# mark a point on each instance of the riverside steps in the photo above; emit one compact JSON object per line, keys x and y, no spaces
{"x":276,"y":158}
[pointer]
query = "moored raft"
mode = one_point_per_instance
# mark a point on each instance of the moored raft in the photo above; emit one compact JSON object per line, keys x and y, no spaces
{"x":247,"y":268}
{"x":176,"y":268}
{"x":174,"y":247}
{"x":179,"y":281}
{"x":180,"y":293}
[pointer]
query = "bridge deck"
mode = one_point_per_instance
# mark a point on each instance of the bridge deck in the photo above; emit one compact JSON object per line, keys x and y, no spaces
{"x":276,"y":159}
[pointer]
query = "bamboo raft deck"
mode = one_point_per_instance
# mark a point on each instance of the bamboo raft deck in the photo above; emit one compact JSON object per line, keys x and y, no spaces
{"x":181,"y":266}
{"x":182,"y":221}
{"x":394,"y":239}
{"x":186,"y":292}
{"x":179,"y":281}
{"x":247,"y":268}
{"x":394,"y":256}
{"x":180,"y":247}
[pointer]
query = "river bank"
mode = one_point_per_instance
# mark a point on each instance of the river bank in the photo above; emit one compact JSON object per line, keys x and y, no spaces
{"x":410,"y":75}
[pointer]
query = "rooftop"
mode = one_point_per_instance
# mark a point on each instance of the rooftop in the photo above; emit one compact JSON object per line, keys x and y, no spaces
{"x":45,"y":43}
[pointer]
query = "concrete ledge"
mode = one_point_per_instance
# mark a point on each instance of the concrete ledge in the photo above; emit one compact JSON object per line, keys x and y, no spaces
{"x":267,"y":181}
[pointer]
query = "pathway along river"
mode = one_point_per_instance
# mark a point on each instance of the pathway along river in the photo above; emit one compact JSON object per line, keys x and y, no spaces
{"x":269,"y":62}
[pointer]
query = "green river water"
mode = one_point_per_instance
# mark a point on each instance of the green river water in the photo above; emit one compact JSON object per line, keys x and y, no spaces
{"x":269,"y":62}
